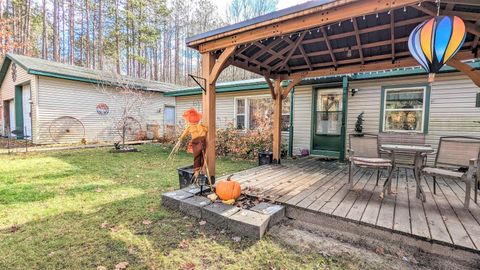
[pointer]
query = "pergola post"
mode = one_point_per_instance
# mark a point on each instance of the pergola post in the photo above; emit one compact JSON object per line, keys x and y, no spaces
{"x":209,"y":110}
{"x":279,"y":94}
{"x":211,"y":69}
{"x":277,"y":121}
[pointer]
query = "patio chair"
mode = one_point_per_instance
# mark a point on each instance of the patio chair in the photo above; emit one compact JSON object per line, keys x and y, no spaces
{"x":364,"y":152}
{"x":458,"y":158}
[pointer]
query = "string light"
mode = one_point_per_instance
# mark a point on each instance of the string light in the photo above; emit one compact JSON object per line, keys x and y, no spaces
{"x":318,"y":30}
{"x":404,"y":9}
{"x":364,"y":17}
{"x":389,"y":12}
{"x":376,"y":15}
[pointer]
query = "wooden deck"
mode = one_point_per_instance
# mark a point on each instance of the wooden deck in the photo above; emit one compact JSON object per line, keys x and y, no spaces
{"x":320,"y":186}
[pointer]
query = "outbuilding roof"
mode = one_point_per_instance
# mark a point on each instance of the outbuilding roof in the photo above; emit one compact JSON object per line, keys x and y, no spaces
{"x":42,"y":67}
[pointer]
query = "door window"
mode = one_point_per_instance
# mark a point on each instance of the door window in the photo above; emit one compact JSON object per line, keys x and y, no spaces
{"x":329,"y":113}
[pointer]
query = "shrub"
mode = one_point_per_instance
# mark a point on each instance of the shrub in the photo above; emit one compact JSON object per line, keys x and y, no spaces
{"x":242,"y":144}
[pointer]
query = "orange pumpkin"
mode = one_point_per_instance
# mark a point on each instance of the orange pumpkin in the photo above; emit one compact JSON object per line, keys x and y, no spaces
{"x":227,"y":190}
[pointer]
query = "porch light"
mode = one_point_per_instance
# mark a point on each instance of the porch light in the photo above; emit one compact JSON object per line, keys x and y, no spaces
{"x":354,"y":91}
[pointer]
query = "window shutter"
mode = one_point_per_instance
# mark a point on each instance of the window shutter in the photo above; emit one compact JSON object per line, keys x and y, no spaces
{"x":477,"y":103}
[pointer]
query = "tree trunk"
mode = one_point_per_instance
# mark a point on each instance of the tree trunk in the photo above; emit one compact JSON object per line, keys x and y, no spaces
{"x":71,"y":39}
{"x":55,"y":48}
{"x":44,"y":31}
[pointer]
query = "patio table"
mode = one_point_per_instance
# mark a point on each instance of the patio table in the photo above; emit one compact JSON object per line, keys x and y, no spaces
{"x":419,"y":151}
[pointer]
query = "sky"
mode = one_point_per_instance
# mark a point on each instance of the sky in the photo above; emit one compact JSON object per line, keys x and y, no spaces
{"x":222,"y":4}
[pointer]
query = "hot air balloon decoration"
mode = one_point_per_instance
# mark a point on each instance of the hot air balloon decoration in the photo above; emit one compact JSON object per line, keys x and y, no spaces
{"x":435,"y":41}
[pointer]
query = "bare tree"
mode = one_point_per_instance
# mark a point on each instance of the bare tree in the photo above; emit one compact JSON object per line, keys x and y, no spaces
{"x":128,"y":117}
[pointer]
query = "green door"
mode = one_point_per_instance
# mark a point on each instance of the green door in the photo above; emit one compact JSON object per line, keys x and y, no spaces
{"x":327,"y":122}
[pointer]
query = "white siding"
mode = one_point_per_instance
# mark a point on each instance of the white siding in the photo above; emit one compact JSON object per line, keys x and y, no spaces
{"x":7,"y":91}
{"x":452,"y":105}
{"x":302,"y":118}
{"x":452,"y":108}
{"x":225,"y":107}
{"x":58,"y":97}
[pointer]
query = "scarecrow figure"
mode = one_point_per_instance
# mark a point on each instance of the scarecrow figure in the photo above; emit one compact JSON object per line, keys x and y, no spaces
{"x":197,"y":144}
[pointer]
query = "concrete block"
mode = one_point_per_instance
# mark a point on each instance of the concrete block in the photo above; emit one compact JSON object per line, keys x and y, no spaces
{"x":193,"y":206}
{"x":218,"y":213}
{"x":195,"y":190}
{"x":249,"y":223}
{"x":172,"y":199}
{"x":275,"y":211}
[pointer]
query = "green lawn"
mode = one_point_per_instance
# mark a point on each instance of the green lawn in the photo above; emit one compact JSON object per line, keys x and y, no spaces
{"x":89,"y":208}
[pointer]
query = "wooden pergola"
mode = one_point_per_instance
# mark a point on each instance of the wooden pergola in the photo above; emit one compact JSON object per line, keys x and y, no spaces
{"x":321,"y":38}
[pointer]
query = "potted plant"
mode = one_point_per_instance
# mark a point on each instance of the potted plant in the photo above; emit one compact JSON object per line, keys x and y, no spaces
{"x":359,"y":125}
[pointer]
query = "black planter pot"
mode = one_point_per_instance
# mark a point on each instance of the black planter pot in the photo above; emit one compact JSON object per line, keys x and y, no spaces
{"x":265,"y":158}
{"x":185,"y":176}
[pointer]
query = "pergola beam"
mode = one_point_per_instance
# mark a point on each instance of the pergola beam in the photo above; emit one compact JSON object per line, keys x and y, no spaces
{"x":392,"y":33}
{"x":359,"y":42}
{"x":374,"y":66}
{"x":300,"y":23}
{"x":472,"y":73}
{"x":305,"y":56}
{"x":270,"y":86}
{"x":220,"y":63}
{"x":284,"y":63}
{"x":470,"y":27}
{"x":329,"y":47}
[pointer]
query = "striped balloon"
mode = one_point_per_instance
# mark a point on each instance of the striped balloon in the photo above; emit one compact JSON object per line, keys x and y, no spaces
{"x":433,"y":42}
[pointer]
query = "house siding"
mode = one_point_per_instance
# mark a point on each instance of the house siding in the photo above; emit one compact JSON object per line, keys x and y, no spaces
{"x":302,"y":118}
{"x":7,"y":92}
{"x":452,"y":106}
{"x":59,"y":97}
{"x":225,"y":103}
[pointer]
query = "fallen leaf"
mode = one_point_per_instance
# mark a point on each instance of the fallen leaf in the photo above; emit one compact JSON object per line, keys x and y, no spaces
{"x":146,"y":222}
{"x":121,"y":266}
{"x":379,"y":250}
{"x":14,"y":228}
{"x":189,"y":266}
{"x":203,"y":222}
{"x":104,"y":225}
{"x":99,"y":190}
{"x":101,"y":268}
{"x":183,"y":244}
{"x":114,"y":229}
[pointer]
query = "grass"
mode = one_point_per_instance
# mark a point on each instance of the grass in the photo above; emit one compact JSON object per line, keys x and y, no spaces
{"x":82,"y":209}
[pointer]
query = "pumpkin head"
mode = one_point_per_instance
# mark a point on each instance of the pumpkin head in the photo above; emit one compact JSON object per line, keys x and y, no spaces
{"x":228,"y":190}
{"x":192,"y":116}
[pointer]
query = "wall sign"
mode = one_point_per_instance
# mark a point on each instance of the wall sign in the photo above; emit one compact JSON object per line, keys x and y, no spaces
{"x":102,"y":109}
{"x":14,"y":72}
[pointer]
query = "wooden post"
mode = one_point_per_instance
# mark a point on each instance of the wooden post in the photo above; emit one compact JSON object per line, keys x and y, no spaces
{"x":209,"y":111}
{"x":277,"y":122}
{"x":211,"y":69}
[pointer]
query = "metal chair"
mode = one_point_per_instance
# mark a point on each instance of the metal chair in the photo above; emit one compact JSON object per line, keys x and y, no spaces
{"x":458,"y":158}
{"x":364,"y":152}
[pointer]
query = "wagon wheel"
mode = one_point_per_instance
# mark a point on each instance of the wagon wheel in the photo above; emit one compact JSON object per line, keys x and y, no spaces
{"x":132,"y":128}
{"x":67,"y":129}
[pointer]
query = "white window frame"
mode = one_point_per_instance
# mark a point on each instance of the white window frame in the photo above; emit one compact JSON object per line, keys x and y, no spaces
{"x":247,"y":110}
{"x":385,"y":110}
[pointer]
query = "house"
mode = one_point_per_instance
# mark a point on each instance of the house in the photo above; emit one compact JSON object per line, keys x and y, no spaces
{"x":49,"y":102}
{"x":395,"y":101}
